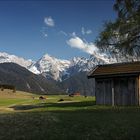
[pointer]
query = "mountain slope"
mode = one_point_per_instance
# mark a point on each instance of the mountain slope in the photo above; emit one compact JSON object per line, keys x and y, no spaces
{"x":13,"y":74}
{"x":50,"y":67}
{"x":60,"y":70}
{"x":67,"y":74}
{"x":5,"y":57}
{"x":79,"y":83}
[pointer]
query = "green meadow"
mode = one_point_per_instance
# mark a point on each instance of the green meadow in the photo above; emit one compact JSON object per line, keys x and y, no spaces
{"x":24,"y":117}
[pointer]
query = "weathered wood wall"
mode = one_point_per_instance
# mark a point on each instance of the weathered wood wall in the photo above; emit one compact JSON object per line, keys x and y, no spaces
{"x":138,"y":89}
{"x":103,"y":91}
{"x":125,"y":91}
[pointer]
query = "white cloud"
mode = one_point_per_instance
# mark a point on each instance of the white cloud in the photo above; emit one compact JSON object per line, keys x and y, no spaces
{"x":49,"y":21}
{"x":73,"y":34}
{"x":64,"y":33}
{"x":84,"y":31}
{"x":90,"y":48}
{"x":88,"y":32}
{"x":45,"y":34}
{"x":77,"y":42}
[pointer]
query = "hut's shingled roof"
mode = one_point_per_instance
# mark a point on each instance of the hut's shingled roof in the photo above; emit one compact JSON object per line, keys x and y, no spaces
{"x":115,"y":69}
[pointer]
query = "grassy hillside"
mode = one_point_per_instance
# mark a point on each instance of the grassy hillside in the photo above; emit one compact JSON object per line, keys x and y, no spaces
{"x":77,"y":118}
{"x":19,"y":100}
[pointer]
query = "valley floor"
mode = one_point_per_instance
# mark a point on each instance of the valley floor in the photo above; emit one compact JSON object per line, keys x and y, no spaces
{"x":24,"y":117}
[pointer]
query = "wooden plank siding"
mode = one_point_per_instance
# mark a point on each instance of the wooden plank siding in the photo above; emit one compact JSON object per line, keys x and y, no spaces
{"x":125,"y":91}
{"x":117,"y":84}
{"x":138,"y":88}
{"x":103,"y":91}
{"x":108,"y":91}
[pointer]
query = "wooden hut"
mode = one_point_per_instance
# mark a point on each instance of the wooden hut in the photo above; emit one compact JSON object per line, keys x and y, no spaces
{"x":117,"y":84}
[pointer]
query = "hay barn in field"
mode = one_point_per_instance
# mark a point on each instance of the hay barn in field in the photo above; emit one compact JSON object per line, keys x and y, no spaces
{"x":117,"y":84}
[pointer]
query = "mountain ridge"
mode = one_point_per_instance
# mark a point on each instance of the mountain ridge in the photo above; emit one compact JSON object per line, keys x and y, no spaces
{"x":60,"y":69}
{"x":61,"y":75}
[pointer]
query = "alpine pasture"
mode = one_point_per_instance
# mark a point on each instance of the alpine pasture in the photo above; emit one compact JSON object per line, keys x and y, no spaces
{"x":60,"y":117}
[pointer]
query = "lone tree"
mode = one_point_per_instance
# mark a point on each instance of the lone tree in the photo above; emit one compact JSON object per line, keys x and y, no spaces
{"x":122,"y":35}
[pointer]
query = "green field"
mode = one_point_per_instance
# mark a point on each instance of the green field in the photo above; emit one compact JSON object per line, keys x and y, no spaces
{"x":24,"y":117}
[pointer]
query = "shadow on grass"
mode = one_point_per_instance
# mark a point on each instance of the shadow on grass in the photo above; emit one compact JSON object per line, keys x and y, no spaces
{"x":95,"y":122}
{"x":55,"y":105}
{"x":78,"y":107}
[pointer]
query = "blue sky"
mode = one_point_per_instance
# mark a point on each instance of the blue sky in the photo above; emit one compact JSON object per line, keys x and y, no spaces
{"x":61,"y":28}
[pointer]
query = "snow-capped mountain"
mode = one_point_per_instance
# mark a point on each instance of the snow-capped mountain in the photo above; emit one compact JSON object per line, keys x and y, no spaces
{"x":59,"y":69}
{"x":60,"y":75}
{"x":5,"y":57}
{"x":50,"y":67}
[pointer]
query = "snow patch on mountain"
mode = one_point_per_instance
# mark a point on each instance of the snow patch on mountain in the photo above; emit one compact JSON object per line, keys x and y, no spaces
{"x":50,"y":67}
{"x":5,"y":57}
{"x":59,"y":70}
